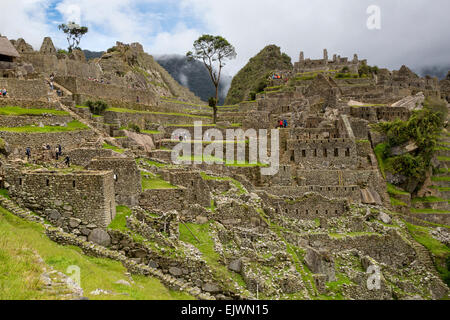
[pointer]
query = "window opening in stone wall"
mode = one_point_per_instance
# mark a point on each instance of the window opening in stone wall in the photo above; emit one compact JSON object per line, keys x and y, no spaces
{"x":73,"y":183}
{"x":336,"y":152}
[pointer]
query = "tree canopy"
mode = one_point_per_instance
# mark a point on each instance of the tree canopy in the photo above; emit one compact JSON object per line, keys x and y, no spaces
{"x":73,"y":32}
{"x":213,"y":51}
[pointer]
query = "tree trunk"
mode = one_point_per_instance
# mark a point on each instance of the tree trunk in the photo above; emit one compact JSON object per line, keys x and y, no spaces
{"x":217,"y":101}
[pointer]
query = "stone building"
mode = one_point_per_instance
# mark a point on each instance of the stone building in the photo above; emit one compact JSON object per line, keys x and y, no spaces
{"x":336,"y":64}
{"x":127,"y":178}
{"x":8,"y":57}
{"x":86,"y":196}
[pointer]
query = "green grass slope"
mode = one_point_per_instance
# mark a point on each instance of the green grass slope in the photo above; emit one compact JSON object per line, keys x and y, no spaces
{"x":20,"y":271}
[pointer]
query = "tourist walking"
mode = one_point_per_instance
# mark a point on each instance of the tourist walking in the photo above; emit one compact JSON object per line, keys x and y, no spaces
{"x":67,"y":161}
{"x":28,"y":153}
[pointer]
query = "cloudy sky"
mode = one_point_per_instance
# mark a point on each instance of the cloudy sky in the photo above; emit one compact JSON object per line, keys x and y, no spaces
{"x":413,"y":32}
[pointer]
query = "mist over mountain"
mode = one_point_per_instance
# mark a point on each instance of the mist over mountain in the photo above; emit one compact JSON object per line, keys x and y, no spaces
{"x":92,"y":54}
{"x":193,"y":75}
{"x":435,"y":71}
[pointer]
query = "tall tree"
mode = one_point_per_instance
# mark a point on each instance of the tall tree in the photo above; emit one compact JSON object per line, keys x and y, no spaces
{"x":73,"y":32}
{"x":213,"y":51}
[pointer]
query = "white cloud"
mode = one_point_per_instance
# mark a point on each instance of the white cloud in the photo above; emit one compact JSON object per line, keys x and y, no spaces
{"x":179,"y":40}
{"x":413,"y":32}
{"x":111,"y":20}
{"x":25,"y":19}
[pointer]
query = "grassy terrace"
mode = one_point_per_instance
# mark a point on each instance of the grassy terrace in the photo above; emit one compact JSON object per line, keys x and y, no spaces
{"x":391,"y":189}
{"x":444,"y":159}
{"x":120,"y":220}
{"x":428,"y":200}
{"x":396,"y":202}
{"x":440,"y":251}
{"x":429,"y":211}
{"x":233,"y":181}
{"x":209,"y":142}
{"x":123,"y":110}
{"x":19,"y":111}
{"x":152,"y":163}
{"x":220,"y":161}
{"x":152,"y":181}
{"x":444,"y":178}
{"x":206,"y":247}
{"x":71,"y":126}
{"x":151,"y":131}
{"x":190,"y":125}
{"x":114,"y":148}
{"x":20,"y":270}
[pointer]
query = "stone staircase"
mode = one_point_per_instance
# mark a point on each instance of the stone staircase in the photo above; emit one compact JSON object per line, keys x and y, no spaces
{"x":423,"y":255}
{"x":53,"y":97}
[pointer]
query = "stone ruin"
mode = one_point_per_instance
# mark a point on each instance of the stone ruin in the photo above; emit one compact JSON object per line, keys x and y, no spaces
{"x":326,"y":214}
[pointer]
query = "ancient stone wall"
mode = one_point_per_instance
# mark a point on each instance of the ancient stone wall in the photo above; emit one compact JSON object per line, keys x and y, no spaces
{"x":127,"y":178}
{"x":370,"y":179}
{"x":49,"y":63}
{"x":70,"y":200}
{"x":332,"y":152}
{"x":359,"y":127}
{"x":25,"y":89}
{"x":46,"y":120}
{"x":391,"y":249}
{"x":346,"y":192}
{"x":83,"y":156}
{"x":19,"y":141}
{"x":28,"y":103}
{"x":378,"y":113}
{"x":309,"y":206}
{"x":162,"y":199}
{"x":140,"y":119}
{"x":84,"y":88}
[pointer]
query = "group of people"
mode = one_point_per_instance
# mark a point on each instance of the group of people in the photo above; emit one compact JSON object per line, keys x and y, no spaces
{"x":282,"y":124}
{"x":58,"y":153}
{"x":277,"y":76}
{"x":3,"y":92}
{"x":96,"y":80}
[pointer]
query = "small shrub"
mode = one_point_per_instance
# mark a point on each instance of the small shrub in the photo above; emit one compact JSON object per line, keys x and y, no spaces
{"x":97,"y":107}
{"x":212,"y":102}
{"x":134,"y":127}
{"x":252,"y":95}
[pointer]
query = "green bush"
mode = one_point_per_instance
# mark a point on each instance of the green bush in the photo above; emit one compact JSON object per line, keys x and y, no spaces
{"x":261,"y":85}
{"x":97,"y":107}
{"x":423,"y":127}
{"x":252,"y":95}
{"x":134,"y":127}
{"x":212,"y":102}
